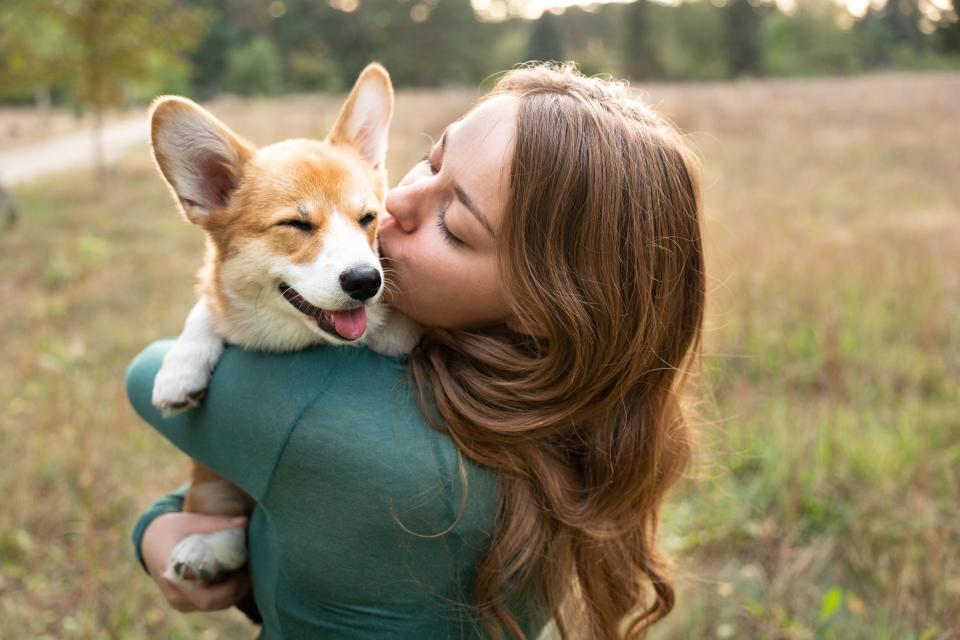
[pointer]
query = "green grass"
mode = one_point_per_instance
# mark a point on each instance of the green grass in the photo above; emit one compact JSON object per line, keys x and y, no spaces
{"x":824,"y":501}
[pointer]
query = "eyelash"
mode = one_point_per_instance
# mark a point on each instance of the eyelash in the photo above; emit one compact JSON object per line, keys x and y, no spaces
{"x":451,"y":239}
{"x":301,"y":225}
{"x":426,"y":160}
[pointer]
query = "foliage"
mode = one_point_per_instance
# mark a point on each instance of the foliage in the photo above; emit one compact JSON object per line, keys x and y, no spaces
{"x":948,"y":30}
{"x":112,"y":42}
{"x":208,"y":60}
{"x":31,"y":48}
{"x":641,"y":56}
{"x":99,"y":49}
{"x":545,"y":41}
{"x":691,"y":40}
{"x":809,"y":41}
{"x":313,"y":72}
{"x":254,"y":69}
{"x":127,"y":49}
{"x":742,"y":37}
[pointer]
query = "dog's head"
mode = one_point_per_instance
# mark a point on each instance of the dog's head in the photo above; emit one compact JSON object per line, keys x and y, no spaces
{"x":294,"y":224}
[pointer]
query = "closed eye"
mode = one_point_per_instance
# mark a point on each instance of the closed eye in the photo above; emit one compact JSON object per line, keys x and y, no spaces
{"x":448,"y":236}
{"x":426,"y":160}
{"x":302,"y":225}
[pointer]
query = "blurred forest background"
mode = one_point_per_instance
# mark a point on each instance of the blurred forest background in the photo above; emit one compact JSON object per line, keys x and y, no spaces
{"x":93,"y":53}
{"x":824,"y":500}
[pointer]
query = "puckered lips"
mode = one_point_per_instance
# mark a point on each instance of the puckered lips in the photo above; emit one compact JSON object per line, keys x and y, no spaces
{"x":345,"y":324}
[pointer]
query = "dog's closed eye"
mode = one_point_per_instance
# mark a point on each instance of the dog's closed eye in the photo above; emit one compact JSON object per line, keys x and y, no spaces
{"x":302,"y":225}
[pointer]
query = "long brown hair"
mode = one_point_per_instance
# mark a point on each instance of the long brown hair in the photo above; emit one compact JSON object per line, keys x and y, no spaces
{"x":601,"y":255}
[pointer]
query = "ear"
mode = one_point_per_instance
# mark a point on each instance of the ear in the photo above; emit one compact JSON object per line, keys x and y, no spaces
{"x":365,"y":117}
{"x":201,"y":158}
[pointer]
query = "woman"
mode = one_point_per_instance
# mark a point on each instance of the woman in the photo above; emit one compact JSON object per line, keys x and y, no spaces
{"x":551,"y":242}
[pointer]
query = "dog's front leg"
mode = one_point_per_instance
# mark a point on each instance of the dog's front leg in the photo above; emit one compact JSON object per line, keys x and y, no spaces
{"x":183,"y":377}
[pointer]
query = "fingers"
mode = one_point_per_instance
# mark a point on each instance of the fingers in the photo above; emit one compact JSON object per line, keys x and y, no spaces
{"x":179,"y":602}
{"x":175,"y":594}
{"x":158,"y":542}
{"x":210,"y":597}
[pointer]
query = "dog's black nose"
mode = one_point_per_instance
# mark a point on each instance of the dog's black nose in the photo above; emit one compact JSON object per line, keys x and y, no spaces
{"x":360,"y":283}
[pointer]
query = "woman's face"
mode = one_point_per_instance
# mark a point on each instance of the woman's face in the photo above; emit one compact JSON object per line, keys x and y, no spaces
{"x":440,"y":239}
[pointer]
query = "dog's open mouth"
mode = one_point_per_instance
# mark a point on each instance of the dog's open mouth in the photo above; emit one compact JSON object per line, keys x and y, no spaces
{"x":346,"y":324}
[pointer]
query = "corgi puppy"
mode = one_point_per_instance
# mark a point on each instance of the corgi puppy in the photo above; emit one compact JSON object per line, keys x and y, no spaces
{"x":291,"y":261}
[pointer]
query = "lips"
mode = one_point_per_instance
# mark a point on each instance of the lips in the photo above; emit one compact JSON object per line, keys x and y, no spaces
{"x":345,"y":324}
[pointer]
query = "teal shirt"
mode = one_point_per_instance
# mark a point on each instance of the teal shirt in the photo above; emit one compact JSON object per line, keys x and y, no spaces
{"x":357,"y":530}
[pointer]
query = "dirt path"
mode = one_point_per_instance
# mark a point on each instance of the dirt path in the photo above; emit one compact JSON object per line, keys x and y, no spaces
{"x":70,"y":151}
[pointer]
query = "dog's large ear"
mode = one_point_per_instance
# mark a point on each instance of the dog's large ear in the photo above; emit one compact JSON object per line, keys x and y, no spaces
{"x":364,"y":120}
{"x":201,"y":158}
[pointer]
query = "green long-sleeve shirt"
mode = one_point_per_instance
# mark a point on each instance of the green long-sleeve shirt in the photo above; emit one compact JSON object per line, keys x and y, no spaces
{"x":356,"y":531}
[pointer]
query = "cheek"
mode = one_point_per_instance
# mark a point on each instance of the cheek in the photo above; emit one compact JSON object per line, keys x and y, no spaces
{"x":428,"y":262}
{"x":443,"y":286}
{"x":450,"y":290}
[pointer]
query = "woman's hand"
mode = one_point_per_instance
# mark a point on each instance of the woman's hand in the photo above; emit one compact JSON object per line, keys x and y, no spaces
{"x":159,"y":539}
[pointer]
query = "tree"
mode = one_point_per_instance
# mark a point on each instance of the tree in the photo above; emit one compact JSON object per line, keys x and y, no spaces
{"x":545,"y":42}
{"x":254,"y":68}
{"x":948,"y":32}
{"x":743,"y":45}
{"x":641,"y":58}
{"x":30,"y":53}
{"x":111,"y":42}
{"x":208,"y":60}
{"x":808,"y":41}
{"x":902,"y":19}
{"x":8,"y":204}
{"x":452,"y":28}
{"x":889,"y":33}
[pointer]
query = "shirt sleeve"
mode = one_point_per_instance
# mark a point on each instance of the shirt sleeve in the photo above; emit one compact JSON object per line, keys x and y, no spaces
{"x":169,"y":503}
{"x":173,"y":503}
{"x":253,"y":402}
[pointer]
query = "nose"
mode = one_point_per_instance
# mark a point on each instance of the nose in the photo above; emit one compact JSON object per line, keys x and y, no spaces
{"x":401,"y":203}
{"x":360,"y":283}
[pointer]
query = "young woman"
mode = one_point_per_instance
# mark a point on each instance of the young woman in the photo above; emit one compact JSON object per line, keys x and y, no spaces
{"x":512,"y":469}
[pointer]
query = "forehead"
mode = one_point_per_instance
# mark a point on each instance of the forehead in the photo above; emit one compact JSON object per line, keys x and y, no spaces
{"x":307,"y":172}
{"x":480,"y":148}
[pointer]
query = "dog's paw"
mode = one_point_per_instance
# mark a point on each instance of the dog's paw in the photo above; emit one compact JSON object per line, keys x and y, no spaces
{"x":182,"y":380}
{"x":207,"y":557}
{"x":395,"y":334}
{"x":178,"y":388}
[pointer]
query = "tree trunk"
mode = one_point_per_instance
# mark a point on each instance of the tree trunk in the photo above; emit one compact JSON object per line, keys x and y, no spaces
{"x":99,"y":157}
{"x":9,"y":207}
{"x":41,"y":99}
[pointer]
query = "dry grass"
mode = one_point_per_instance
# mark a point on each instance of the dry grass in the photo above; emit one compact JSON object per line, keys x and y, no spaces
{"x":828,"y":483}
{"x":824,"y":502}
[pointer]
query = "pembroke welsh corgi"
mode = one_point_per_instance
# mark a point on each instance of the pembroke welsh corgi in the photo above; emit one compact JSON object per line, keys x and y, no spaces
{"x":291,"y":261}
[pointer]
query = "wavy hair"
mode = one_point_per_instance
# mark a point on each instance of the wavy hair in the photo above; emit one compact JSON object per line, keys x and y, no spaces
{"x":600,"y":253}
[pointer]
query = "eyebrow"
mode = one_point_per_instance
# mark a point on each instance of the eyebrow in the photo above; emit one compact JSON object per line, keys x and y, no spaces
{"x":462,"y":195}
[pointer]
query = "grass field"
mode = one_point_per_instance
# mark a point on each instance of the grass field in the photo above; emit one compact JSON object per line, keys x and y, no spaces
{"x":824,"y":501}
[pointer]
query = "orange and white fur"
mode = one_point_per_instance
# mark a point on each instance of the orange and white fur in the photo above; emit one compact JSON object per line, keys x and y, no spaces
{"x":291,"y":261}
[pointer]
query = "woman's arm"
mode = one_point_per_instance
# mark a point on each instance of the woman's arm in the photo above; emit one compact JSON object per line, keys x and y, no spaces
{"x":253,"y":402}
{"x":168,"y":503}
{"x":159,"y":539}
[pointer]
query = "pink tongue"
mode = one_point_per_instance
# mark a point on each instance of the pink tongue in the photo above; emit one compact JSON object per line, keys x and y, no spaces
{"x":350,"y":324}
